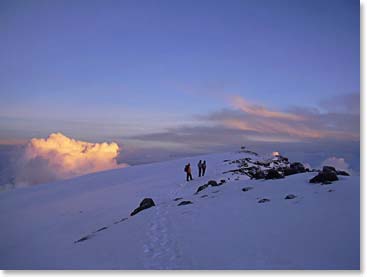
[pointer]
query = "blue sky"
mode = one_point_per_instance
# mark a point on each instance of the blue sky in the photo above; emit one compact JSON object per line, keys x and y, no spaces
{"x":114,"y":69}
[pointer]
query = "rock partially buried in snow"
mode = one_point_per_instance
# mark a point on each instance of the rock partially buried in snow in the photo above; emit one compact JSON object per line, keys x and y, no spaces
{"x":213,"y":183}
{"x":83,"y":239}
{"x":247,"y":188}
{"x":264,"y":200}
{"x":100,"y":229}
{"x":202,"y":188}
{"x":324,"y":177}
{"x":184,"y":203}
{"x":145,"y":204}
{"x":343,"y":173}
{"x":327,"y":168}
{"x":120,"y":220}
{"x":178,"y":198}
{"x":290,"y":196}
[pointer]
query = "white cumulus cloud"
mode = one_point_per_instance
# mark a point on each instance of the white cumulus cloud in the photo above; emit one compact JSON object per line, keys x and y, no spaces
{"x":60,"y":157}
{"x":338,"y":163}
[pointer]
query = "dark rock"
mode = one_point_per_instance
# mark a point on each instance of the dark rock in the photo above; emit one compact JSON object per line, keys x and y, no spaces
{"x":101,"y":229}
{"x":294,"y":168}
{"x":255,"y":173}
{"x":290,"y":196}
{"x":263,"y":200}
{"x":83,"y":239}
{"x":298,"y":166}
{"x":329,"y":169}
{"x":178,"y":198}
{"x":324,"y":176}
{"x":203,"y":196}
{"x":273,"y":174}
{"x":201,"y":188}
{"x":222,"y":181}
{"x":289,"y":171}
{"x":213,"y":183}
{"x":326,"y":183}
{"x":121,"y":220}
{"x":331,"y":190}
{"x":266,"y":164}
{"x":247,"y":188}
{"x":145,"y":204}
{"x":184,"y":203}
{"x":343,"y":173}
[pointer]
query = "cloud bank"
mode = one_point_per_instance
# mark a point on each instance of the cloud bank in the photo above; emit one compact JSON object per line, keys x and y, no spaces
{"x":300,"y":124}
{"x":60,"y":157}
{"x":336,"y":120}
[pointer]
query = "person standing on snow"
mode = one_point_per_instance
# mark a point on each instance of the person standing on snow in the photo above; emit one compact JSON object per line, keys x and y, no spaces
{"x":203,"y":168}
{"x":200,"y":168}
{"x":188,"y":172}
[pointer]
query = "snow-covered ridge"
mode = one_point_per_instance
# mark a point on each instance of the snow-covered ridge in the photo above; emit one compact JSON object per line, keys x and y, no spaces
{"x":235,"y":223}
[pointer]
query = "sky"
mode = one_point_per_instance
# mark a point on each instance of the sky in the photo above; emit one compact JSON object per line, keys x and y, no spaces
{"x":180,"y":74}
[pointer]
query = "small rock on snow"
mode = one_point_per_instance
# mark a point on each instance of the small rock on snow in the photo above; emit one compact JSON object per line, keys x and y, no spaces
{"x":263,"y":200}
{"x":184,"y":203}
{"x":145,"y":204}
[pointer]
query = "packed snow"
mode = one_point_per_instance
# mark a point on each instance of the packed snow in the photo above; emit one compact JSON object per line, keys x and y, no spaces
{"x":85,"y":222}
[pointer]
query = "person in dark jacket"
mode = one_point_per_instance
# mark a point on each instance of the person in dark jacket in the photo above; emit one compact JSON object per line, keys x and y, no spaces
{"x":200,"y":168}
{"x":203,"y":168}
{"x":188,"y":172}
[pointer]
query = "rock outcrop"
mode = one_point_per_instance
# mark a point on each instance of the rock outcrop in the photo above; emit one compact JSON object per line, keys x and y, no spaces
{"x":273,"y":174}
{"x":327,"y":175}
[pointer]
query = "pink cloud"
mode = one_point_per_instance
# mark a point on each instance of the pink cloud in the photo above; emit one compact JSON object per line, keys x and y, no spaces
{"x":256,"y":110}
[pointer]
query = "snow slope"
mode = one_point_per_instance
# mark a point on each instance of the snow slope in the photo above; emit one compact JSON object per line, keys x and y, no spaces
{"x":226,"y":229}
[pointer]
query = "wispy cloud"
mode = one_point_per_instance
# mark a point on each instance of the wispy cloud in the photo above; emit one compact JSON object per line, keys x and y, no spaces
{"x":261,"y":111}
{"x":252,"y":122}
